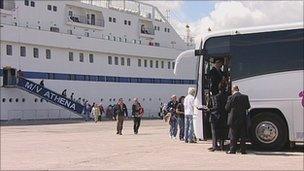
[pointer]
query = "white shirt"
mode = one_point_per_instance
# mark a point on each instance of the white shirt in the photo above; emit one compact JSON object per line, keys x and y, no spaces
{"x":189,"y":105}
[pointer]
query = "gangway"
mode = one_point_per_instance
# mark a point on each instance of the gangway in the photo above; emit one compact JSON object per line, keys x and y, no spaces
{"x":49,"y":95}
{"x":12,"y":79}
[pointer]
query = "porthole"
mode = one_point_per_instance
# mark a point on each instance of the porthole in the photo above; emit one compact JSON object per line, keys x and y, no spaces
{"x":36,"y":100}
{"x":150,"y":99}
{"x":129,"y":100}
{"x":23,"y":99}
{"x":41,"y":100}
{"x":3,"y":100}
{"x":10,"y":100}
{"x":114,"y":100}
{"x":17,"y":100}
{"x":110,"y":100}
{"x":144,"y":99}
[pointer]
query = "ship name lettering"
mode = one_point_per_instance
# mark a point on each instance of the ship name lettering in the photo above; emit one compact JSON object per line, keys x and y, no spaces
{"x":29,"y":85}
{"x":47,"y":94}
{"x":73,"y":106}
{"x":60,"y":100}
{"x":57,"y":99}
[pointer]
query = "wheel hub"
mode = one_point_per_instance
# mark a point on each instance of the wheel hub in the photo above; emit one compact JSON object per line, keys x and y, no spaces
{"x":266,"y":132}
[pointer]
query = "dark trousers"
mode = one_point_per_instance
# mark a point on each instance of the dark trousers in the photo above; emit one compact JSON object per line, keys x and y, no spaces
{"x":120,"y":120}
{"x":181,"y":124}
{"x":215,"y":137}
{"x":236,"y":133}
{"x":206,"y":126}
{"x":136,"y":124}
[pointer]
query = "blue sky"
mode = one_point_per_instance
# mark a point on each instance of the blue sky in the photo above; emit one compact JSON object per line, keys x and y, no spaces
{"x":228,"y":14}
{"x":195,"y":10}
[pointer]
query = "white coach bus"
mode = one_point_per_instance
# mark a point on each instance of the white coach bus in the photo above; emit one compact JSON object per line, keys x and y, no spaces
{"x":267,"y":65}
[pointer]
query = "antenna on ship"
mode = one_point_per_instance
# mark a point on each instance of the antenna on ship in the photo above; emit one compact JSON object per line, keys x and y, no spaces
{"x":188,"y":38}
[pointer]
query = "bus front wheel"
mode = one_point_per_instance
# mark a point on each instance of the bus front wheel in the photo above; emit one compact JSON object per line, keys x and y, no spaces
{"x":268,"y":131}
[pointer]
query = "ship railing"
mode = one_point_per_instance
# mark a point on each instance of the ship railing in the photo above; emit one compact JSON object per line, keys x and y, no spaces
{"x":140,"y":8}
{"x":79,"y":36}
{"x":84,"y":20}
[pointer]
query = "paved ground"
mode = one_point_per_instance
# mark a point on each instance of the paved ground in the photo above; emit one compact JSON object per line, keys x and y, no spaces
{"x":92,"y":146}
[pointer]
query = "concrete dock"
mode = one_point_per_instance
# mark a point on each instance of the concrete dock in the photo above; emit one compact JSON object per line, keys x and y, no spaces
{"x":90,"y":146}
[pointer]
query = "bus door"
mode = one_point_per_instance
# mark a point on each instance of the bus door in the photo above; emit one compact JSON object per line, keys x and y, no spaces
{"x":208,"y":65}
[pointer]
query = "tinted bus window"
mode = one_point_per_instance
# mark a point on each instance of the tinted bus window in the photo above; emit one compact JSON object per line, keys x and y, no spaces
{"x":266,"y":53}
{"x":217,"y":46}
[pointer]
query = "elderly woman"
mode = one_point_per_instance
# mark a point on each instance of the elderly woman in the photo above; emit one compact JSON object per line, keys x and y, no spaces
{"x":96,"y":112}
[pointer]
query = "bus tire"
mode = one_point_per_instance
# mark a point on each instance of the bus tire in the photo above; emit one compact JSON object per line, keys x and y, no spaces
{"x":268,"y":131}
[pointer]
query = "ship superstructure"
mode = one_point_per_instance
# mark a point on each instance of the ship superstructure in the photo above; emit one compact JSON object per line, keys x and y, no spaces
{"x":98,"y":50}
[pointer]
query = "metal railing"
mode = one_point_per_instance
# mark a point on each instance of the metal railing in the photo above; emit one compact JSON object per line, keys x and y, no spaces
{"x":81,"y":35}
{"x":84,"y":20}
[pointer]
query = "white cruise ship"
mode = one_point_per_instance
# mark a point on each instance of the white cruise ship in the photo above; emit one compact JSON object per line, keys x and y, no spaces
{"x":98,"y":50}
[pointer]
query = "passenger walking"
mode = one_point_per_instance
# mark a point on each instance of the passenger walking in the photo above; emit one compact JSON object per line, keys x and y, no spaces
{"x":110,"y":112}
{"x":120,"y":110}
{"x":189,"y":111}
{"x":237,"y":106}
{"x":42,"y":83}
{"x":72,"y":97}
{"x":137,"y":113}
{"x":160,"y":113}
{"x":217,"y":116}
{"x":171,"y":108}
{"x":102,"y":111}
{"x":64,"y":92}
{"x":96,"y":112}
{"x":87,"y":110}
{"x":78,"y":100}
{"x":180,"y":111}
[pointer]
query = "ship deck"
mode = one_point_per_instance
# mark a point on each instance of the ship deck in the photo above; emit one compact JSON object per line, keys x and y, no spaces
{"x":86,"y":146}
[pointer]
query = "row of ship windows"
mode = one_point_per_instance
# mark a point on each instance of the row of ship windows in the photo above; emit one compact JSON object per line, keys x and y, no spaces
{"x":32,"y":4}
{"x":128,"y":22}
{"x":140,"y":62}
{"x":9,"y":52}
{"x":81,"y":57}
{"x":29,"y":3}
{"x":156,"y":64}
{"x":11,"y":100}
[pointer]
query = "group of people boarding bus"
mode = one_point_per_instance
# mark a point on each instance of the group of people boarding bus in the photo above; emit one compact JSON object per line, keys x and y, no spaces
{"x":224,"y":113}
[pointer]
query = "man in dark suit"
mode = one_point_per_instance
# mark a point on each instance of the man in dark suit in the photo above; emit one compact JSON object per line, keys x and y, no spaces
{"x":237,"y":106}
{"x":216,"y":76}
{"x":217,"y":113}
